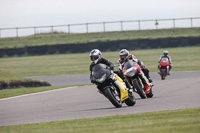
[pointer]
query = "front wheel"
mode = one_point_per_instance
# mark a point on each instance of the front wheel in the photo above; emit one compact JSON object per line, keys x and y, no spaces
{"x":163,"y":73}
{"x":113,"y":96}
{"x":139,"y":89}
{"x":130,"y":101}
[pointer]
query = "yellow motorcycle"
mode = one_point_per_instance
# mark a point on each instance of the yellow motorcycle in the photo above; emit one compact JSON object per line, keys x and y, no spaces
{"x":112,"y":86}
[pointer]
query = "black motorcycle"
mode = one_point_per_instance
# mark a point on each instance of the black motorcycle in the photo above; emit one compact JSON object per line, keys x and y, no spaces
{"x":112,"y":86}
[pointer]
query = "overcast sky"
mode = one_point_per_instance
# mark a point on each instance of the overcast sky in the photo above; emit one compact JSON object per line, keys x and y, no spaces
{"x":23,"y":13}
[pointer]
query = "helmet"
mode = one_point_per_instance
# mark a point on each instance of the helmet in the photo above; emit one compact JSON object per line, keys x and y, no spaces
{"x":123,"y":54}
{"x":95,"y":55}
{"x":165,"y":53}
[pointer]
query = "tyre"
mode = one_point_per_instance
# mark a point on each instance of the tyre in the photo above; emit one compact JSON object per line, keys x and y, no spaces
{"x":113,"y":96}
{"x":130,"y":101}
{"x":163,"y":72}
{"x":150,"y":94}
{"x":139,"y":89}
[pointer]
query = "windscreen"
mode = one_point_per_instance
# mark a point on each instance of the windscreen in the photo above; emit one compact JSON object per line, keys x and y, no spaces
{"x":129,"y":64}
{"x":130,"y":68}
{"x":99,"y":70}
{"x":164,"y":59}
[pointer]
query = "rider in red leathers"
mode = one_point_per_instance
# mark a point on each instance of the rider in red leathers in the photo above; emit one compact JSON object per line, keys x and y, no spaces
{"x":125,"y":56}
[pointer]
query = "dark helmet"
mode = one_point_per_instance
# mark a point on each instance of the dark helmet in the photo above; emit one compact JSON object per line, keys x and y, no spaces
{"x":123,"y":54}
{"x":95,"y":55}
{"x":165,"y":53}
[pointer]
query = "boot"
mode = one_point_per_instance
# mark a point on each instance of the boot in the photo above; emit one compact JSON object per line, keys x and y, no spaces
{"x":148,"y":77}
{"x":147,"y":87}
{"x":168,"y":73}
{"x":150,"y":80}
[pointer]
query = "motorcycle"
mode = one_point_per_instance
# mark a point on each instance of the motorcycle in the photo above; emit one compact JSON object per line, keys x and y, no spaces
{"x":112,"y":86}
{"x":133,"y":73}
{"x":164,"y":68}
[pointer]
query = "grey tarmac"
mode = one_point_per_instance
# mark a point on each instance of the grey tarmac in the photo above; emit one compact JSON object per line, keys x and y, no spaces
{"x":180,"y":90}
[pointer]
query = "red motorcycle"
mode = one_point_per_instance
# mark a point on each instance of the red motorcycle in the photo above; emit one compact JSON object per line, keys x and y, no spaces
{"x":164,"y":67}
{"x":133,"y":73}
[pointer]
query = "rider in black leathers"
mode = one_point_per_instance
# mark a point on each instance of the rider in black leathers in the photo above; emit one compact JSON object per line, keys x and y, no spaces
{"x":96,"y":57}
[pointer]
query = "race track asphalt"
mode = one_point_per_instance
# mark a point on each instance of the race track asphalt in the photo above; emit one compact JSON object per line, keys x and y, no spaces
{"x":180,"y":90}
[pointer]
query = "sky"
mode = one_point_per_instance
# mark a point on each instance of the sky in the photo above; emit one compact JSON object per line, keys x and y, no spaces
{"x":26,"y":13}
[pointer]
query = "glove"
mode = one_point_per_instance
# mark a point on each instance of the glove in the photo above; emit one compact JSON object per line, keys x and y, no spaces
{"x":142,"y":66}
{"x":139,"y":62}
{"x":92,"y":79}
{"x":112,"y":66}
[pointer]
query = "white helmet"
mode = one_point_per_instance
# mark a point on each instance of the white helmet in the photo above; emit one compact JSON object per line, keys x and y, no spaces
{"x":123,"y":54}
{"x":165,"y":53}
{"x":95,"y":55}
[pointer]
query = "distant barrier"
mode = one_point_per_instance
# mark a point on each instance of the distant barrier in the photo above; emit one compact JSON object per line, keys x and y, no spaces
{"x":115,"y":45}
{"x":102,"y":27}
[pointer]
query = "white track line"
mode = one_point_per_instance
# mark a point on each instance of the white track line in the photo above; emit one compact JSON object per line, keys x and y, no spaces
{"x":36,"y":93}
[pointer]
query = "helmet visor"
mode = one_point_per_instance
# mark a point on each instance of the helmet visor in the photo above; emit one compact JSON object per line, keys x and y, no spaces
{"x":165,"y":54}
{"x":122,"y":57}
{"x":93,"y":58}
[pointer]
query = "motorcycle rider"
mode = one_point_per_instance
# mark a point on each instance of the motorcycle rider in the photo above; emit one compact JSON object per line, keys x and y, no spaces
{"x":165,"y":54}
{"x":96,"y":57}
{"x":125,"y":56}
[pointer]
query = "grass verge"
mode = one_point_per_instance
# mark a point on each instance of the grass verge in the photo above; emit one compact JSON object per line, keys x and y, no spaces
{"x":184,"y":59}
{"x":43,"y":39}
{"x":9,"y":77}
{"x":9,"y":80}
{"x":6,"y":75}
{"x":183,"y":120}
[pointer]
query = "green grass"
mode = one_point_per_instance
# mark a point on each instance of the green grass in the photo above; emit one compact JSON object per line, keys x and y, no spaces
{"x":43,"y":39}
{"x":176,"y":121}
{"x":184,"y":59}
{"x":6,"y":75}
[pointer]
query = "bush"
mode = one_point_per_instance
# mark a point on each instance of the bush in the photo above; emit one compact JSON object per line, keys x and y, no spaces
{"x":23,"y":83}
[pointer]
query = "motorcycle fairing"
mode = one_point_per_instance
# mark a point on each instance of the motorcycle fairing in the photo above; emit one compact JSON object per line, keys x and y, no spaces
{"x":122,"y":87}
{"x":130,"y":68}
{"x":164,"y":62}
{"x":100,"y":72}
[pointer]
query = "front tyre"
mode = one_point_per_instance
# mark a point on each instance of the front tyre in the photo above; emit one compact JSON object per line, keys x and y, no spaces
{"x":163,"y":73}
{"x":113,"y":96}
{"x":130,"y":101}
{"x":139,"y":89}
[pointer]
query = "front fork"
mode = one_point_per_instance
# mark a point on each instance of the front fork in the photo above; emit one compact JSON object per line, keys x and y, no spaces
{"x":167,"y":69}
{"x":160,"y":69}
{"x":143,"y":78}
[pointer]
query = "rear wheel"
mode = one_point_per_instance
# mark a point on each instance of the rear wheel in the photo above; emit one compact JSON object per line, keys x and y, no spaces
{"x":139,"y":89}
{"x":113,"y":96}
{"x":130,"y":101}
